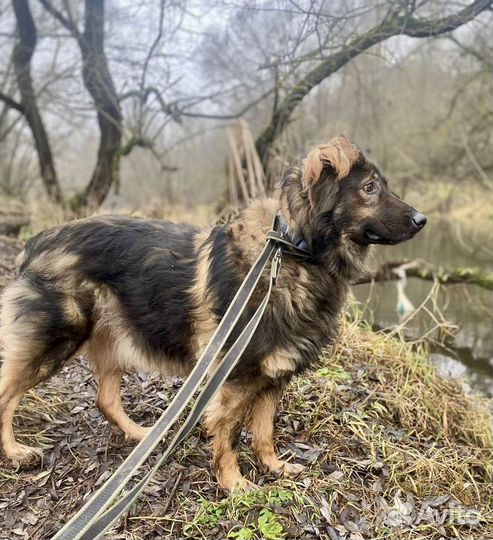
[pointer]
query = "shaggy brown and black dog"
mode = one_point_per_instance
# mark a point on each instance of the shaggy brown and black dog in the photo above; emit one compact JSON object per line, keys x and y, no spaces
{"x":134,"y":294}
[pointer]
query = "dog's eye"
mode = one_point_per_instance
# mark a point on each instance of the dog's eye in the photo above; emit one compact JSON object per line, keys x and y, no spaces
{"x":370,"y":187}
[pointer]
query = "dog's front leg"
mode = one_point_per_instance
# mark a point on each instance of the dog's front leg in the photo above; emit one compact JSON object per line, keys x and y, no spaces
{"x":223,"y":420}
{"x":261,"y":424}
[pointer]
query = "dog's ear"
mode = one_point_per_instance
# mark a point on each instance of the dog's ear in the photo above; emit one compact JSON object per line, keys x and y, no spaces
{"x":337,"y":157}
{"x":295,"y":205}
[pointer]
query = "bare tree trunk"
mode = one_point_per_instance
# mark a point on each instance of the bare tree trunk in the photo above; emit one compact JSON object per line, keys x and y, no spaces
{"x":23,"y":52}
{"x":99,"y":83}
{"x":395,"y":23}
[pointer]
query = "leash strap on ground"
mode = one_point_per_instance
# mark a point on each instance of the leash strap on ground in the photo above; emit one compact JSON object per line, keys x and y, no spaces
{"x":78,"y":527}
{"x":212,"y":386}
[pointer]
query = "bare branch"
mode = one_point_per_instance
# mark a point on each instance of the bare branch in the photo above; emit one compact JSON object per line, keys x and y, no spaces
{"x":12,"y":103}
{"x":153,"y":46}
{"x":394,"y":24}
{"x":232,"y":116}
{"x":68,"y":23}
{"x":422,"y":28}
{"x":481,"y":58}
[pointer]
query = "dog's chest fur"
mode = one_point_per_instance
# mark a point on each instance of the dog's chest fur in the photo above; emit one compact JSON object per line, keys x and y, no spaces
{"x":303,"y":311}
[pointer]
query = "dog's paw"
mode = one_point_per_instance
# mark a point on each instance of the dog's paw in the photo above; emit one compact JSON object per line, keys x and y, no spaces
{"x":244,"y":486}
{"x":137,"y":434}
{"x":21,"y":455}
{"x":235,"y":483}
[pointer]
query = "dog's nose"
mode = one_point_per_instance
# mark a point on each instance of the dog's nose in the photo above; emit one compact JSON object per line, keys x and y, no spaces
{"x":419,"y":220}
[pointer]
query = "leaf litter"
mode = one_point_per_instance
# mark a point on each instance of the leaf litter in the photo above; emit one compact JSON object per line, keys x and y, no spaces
{"x":393,"y":451}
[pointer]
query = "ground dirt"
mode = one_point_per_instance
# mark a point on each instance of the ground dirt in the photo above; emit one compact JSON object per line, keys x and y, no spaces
{"x":392,"y":451}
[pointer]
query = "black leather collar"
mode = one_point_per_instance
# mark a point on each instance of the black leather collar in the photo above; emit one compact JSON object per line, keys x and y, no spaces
{"x":289,"y":243}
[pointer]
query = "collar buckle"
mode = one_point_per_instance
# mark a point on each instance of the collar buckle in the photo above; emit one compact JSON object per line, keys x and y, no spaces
{"x":276,"y":266}
{"x":297,"y":248}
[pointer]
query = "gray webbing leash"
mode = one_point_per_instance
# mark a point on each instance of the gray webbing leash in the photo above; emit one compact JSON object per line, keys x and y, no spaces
{"x":92,"y":520}
{"x":212,"y":386}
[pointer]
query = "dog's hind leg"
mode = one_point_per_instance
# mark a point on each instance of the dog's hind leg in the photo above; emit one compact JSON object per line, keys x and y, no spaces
{"x":224,"y":418}
{"x":109,"y":376}
{"x":15,"y":380}
{"x":261,"y":424}
{"x":41,"y":330}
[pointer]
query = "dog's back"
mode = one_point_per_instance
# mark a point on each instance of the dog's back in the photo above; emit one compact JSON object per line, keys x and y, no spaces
{"x":145,"y":264}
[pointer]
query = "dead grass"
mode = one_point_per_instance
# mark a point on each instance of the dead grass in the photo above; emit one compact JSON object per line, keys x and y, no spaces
{"x":393,"y":451}
{"x":44,"y":214}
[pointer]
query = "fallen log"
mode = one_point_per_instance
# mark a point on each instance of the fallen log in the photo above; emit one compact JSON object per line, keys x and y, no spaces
{"x":424,"y":270}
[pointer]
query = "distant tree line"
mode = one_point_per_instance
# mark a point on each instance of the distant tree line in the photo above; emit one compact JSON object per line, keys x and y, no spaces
{"x":261,"y":64}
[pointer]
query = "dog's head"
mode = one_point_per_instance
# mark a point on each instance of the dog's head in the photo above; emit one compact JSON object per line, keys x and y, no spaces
{"x":340,"y":195}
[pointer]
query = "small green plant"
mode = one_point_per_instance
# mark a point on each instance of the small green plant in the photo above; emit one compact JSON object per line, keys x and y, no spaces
{"x":245,"y":533}
{"x":269,"y":526}
{"x":278,"y":496}
{"x":209,"y":514}
{"x":241,"y":507}
{"x":335,"y":373}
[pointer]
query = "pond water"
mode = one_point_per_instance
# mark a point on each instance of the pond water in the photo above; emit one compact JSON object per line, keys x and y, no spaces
{"x":469,"y":352}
